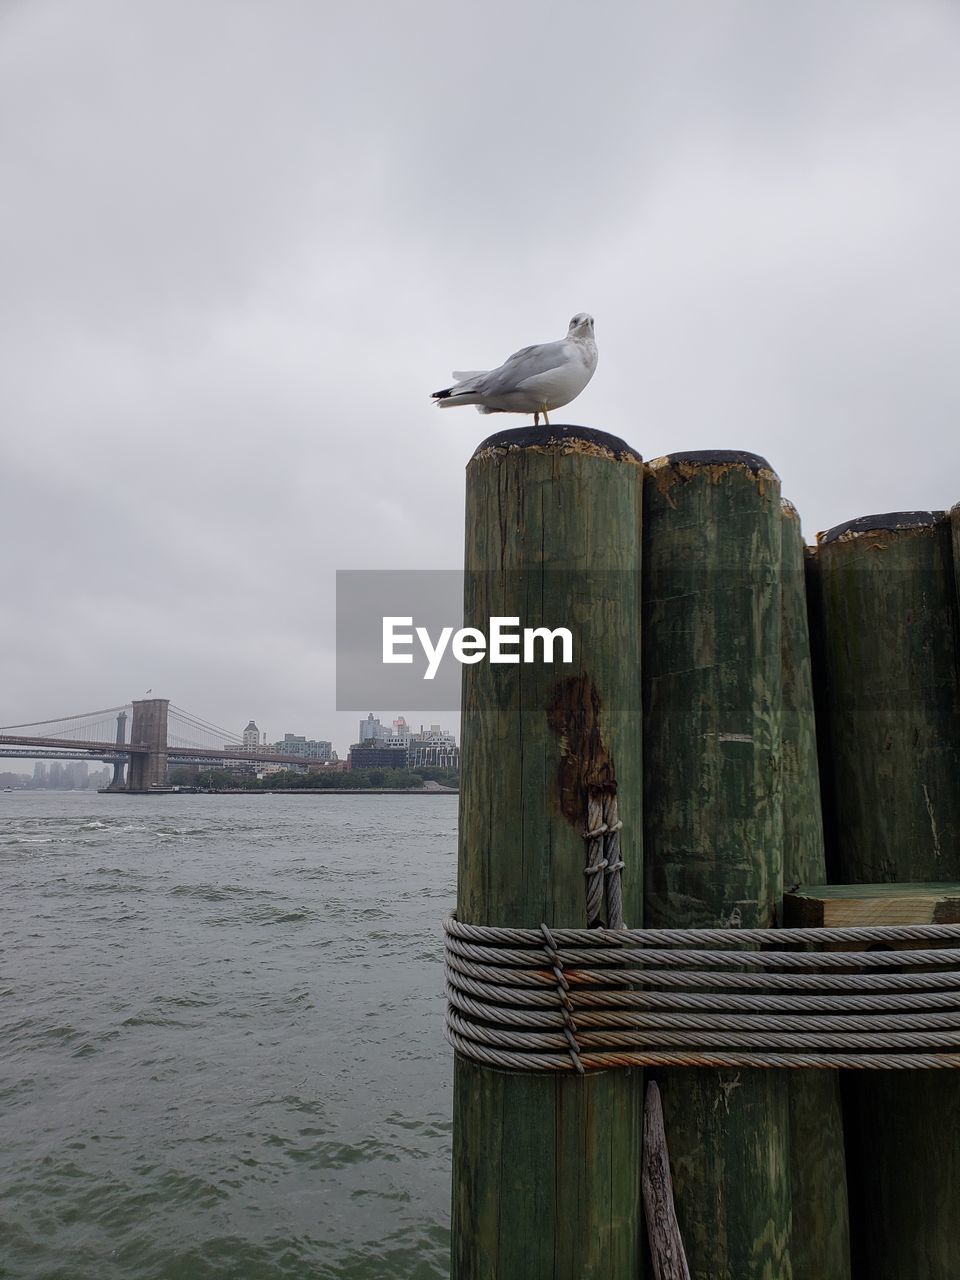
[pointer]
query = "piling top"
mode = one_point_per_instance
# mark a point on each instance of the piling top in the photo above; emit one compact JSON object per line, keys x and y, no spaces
{"x":889,"y":522}
{"x":559,"y":438}
{"x":788,"y":509}
{"x":715,"y":458}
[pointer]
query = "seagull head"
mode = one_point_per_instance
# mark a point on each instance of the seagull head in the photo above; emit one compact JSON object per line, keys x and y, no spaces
{"x":581,"y":326}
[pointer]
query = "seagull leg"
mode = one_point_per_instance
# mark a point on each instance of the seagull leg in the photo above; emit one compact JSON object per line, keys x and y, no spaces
{"x":536,"y":419}
{"x":545,"y":418}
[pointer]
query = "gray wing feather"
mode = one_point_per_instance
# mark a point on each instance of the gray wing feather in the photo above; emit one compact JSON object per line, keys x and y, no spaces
{"x":523,"y":364}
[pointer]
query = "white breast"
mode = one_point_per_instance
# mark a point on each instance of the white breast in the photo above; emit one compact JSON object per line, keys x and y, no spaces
{"x":556,"y":387}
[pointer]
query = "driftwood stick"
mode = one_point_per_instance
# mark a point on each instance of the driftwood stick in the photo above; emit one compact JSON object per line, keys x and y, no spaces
{"x":666,"y":1246}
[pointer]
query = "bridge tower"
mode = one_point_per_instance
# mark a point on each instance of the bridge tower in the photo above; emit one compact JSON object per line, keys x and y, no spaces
{"x":147,"y":770}
{"x":116,"y":782}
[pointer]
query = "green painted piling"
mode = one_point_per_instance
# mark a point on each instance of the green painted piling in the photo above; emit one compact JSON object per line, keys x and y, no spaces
{"x":891,"y":643}
{"x":546,"y":1168}
{"x":891,"y":637}
{"x":713,"y":829}
{"x":820,"y":1236}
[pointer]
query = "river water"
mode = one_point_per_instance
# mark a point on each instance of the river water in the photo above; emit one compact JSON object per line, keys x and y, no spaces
{"x":220,"y":1036}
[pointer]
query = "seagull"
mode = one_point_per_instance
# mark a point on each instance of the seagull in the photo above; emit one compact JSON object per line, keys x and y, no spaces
{"x":533,"y":379}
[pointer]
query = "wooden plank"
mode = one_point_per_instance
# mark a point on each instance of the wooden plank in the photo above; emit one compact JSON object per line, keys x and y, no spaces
{"x":840,"y":906}
{"x":713,"y":831}
{"x":891,"y":636}
{"x":663,"y":1232}
{"x":546,"y":1170}
{"x":820,"y":1221}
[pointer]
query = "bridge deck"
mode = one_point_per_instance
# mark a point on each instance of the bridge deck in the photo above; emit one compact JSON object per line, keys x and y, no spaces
{"x":104,"y":750}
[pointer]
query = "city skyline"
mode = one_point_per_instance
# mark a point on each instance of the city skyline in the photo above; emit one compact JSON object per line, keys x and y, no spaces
{"x":55,"y":775}
{"x":429,"y":742}
{"x":386,"y":723}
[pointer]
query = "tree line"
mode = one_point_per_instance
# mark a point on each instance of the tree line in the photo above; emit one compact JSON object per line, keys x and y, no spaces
{"x":319,"y":779}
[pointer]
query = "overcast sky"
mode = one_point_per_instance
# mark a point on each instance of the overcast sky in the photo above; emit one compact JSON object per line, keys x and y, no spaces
{"x":243,"y":240}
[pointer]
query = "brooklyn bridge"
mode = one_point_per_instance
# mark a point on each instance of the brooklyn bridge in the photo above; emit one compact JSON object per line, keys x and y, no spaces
{"x":159,"y":732}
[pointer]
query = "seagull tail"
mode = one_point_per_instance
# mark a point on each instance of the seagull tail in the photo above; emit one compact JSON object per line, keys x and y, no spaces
{"x":449,"y":397}
{"x":463,"y":393}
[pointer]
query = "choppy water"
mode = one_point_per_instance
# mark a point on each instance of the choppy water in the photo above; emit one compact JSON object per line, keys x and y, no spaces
{"x":220,"y":1036}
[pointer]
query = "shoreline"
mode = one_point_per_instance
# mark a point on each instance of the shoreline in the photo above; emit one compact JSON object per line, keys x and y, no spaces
{"x":295,"y":791}
{"x":335,"y":791}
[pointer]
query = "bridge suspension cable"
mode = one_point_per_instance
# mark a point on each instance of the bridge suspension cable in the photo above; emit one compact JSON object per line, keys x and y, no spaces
{"x":187,"y":720}
{"x":87,"y":715}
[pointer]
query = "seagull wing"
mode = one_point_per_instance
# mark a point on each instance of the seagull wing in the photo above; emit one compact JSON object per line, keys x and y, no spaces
{"x":528,"y":362}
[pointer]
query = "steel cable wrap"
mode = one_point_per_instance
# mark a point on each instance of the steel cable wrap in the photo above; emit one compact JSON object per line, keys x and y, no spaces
{"x":588,"y":999}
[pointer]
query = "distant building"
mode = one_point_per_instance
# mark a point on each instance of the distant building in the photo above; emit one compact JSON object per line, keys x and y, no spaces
{"x":423,"y":756}
{"x":433,"y":737}
{"x":381,"y":748}
{"x":293,"y":744}
{"x":399,"y":735}
{"x":66,"y":775}
{"x":252,"y":740}
{"x":377,"y":755}
{"x":239,"y":769}
{"x":433,"y":748}
{"x":371,"y":730}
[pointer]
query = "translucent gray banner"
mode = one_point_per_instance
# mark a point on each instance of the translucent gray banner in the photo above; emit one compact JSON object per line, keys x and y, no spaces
{"x":403,"y":638}
{"x":433,"y":600}
{"x":402,"y":641}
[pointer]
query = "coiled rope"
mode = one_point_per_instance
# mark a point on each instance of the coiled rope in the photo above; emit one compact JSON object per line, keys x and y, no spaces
{"x":591,"y":999}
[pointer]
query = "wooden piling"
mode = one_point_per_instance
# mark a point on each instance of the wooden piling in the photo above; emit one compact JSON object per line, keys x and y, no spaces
{"x":820,"y":1235}
{"x":546,"y":1168}
{"x":892,"y":650}
{"x":713,"y":830}
{"x":891,"y":637}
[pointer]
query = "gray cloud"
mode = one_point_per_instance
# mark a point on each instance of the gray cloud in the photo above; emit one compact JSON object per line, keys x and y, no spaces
{"x":244,"y":241}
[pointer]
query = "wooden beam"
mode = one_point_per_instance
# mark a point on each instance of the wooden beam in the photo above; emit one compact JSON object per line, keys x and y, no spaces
{"x":844,"y":906}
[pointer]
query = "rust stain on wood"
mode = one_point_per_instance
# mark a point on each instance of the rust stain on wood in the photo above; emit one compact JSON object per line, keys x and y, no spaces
{"x":586,"y":766}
